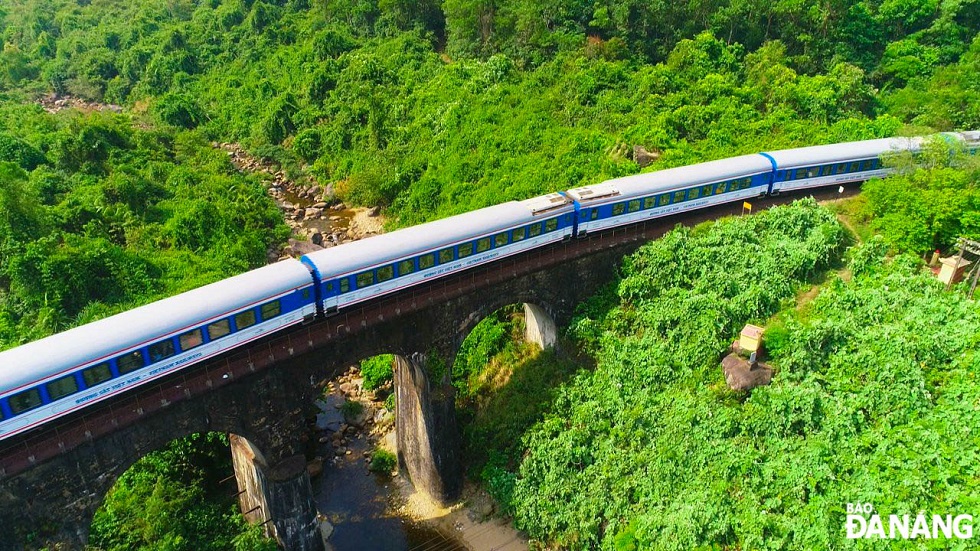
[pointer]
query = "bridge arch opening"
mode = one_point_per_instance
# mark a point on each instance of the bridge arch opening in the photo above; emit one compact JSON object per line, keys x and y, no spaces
{"x":184,"y":492}
{"x":505,"y":373}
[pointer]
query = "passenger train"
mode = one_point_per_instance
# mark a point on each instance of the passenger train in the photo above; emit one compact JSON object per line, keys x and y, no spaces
{"x":57,"y":375}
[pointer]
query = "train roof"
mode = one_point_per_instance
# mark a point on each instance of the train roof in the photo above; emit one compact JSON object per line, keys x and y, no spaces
{"x":379,"y":249}
{"x":842,"y":152}
{"x":672,"y":178}
{"x":107,"y":337}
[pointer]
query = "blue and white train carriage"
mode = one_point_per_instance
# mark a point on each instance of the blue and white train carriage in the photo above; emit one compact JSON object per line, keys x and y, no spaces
{"x":64,"y":372}
{"x":357,"y":271}
{"x":654,"y":194}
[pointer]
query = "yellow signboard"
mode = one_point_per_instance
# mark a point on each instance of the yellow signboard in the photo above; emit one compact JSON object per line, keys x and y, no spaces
{"x":746,"y":206}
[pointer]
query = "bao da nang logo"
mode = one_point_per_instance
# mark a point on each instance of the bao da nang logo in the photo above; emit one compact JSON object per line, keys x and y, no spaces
{"x":863,"y":522}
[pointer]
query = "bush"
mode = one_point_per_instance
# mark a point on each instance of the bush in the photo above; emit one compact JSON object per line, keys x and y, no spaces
{"x":382,"y":461}
{"x":377,"y":370}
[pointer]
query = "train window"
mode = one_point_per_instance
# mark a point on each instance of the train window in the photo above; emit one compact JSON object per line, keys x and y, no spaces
{"x":720,"y":188}
{"x":427,"y":261}
{"x":618,"y":209}
{"x":633,"y":205}
{"x":385,"y":273}
{"x":329,"y":287}
{"x":446,"y":255}
{"x":466,"y":249}
{"x":190,"y":339}
{"x":130,"y":362}
{"x":218,"y":329}
{"x":678,"y":197}
{"x":500,"y":239}
{"x":663,"y":200}
{"x":840,"y":169}
{"x":270,"y":310}
{"x":854,"y":167}
{"x":164,"y":349}
{"x":365,"y":279}
{"x":406,"y":267}
{"x":306,"y":292}
{"x":707,"y":190}
{"x":867,"y":165}
{"x":594,"y":214}
{"x":813,"y":172}
{"x":649,"y":202}
{"x":244,"y":319}
{"x":59,"y":388}
{"x":29,"y":399}
{"x":483,"y":245}
{"x":518,"y":234}
{"x":693,"y":193}
{"x":746,"y":183}
{"x":535,"y":230}
{"x":96,"y":374}
{"x":551,"y":225}
{"x":344,"y":283}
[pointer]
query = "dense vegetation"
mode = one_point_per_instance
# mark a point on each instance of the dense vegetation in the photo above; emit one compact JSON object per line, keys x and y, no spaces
{"x":873,"y":400}
{"x":432,"y":109}
{"x":172,"y":500}
{"x":97,"y":215}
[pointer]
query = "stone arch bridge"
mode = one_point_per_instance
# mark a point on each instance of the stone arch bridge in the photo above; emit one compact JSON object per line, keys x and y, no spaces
{"x":52,"y":480}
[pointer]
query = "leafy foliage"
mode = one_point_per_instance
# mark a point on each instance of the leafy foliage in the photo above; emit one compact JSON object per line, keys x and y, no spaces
{"x":377,"y":370}
{"x":382,"y":461}
{"x":170,"y":500}
{"x":929,"y":205}
{"x":650,"y":449}
{"x":117,"y":217}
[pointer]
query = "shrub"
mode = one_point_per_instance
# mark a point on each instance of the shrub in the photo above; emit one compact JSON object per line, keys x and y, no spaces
{"x":377,"y":370}
{"x":382,"y":461}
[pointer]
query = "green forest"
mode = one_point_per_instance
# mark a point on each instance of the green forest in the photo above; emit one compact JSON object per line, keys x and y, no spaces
{"x":428,"y":109}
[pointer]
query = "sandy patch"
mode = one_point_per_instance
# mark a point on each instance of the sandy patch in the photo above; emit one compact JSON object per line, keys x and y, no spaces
{"x":362,"y":224}
{"x":461,"y":522}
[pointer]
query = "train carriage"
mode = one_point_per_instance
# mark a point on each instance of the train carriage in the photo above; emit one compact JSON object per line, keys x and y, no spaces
{"x":654,"y":194}
{"x":825,"y":165}
{"x":61,"y":373}
{"x":355,"y":272}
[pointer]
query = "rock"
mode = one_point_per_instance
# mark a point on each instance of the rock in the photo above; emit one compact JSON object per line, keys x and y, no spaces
{"x":341,"y":451}
{"x":317,"y":239}
{"x":303,"y":247}
{"x":644,"y":157}
{"x":320,"y":205}
{"x":374,"y":211}
{"x":326,"y":530}
{"x":339,"y":206}
{"x":315,"y":467}
{"x":313,"y":212}
{"x":361,"y":418}
{"x":741,"y":375}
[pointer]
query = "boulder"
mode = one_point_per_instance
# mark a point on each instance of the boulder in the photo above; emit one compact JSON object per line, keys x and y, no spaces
{"x":315,"y":467}
{"x":740,"y":374}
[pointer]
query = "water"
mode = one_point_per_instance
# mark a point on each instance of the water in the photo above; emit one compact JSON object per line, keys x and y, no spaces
{"x":361,"y":507}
